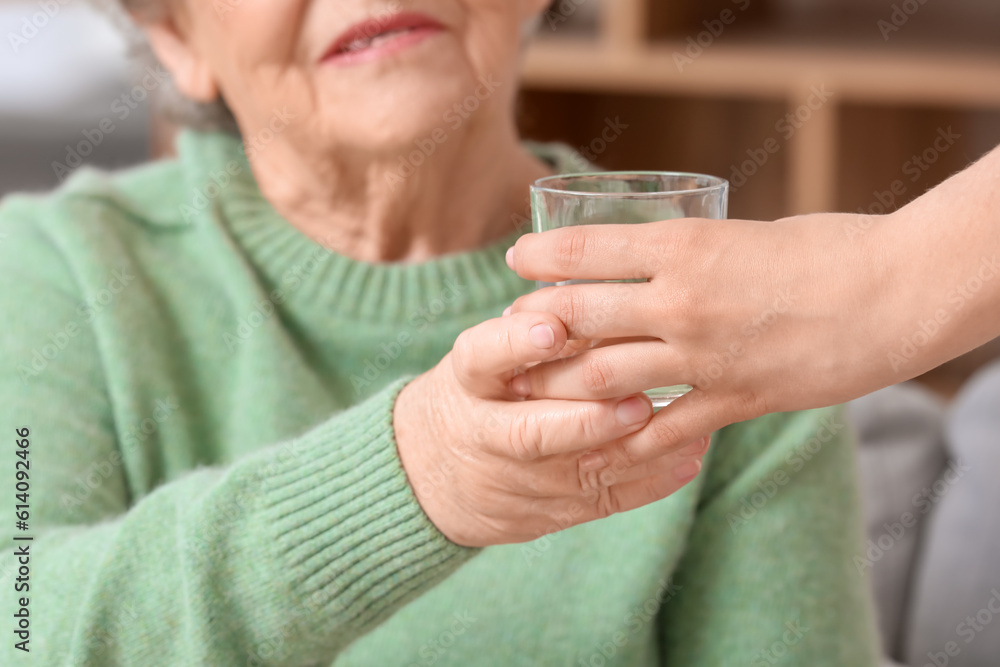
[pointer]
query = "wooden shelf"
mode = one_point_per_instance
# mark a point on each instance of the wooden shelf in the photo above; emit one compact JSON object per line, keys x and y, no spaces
{"x":943,"y":59}
{"x":763,"y":70}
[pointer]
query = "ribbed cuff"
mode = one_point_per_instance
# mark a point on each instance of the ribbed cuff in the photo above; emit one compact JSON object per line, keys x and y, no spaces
{"x":353,"y":538}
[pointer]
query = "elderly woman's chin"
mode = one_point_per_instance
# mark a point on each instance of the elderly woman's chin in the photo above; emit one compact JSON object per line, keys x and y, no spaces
{"x":409,"y":97}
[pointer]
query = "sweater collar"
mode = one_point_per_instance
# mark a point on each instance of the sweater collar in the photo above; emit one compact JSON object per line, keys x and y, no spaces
{"x":226,"y":194}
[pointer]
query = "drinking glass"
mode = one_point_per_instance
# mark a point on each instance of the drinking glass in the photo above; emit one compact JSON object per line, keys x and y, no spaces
{"x":627,"y":198}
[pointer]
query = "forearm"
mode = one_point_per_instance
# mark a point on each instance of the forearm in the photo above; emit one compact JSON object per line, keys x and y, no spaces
{"x":288,"y":552}
{"x":289,"y":555}
{"x":945,"y":248}
{"x":762,"y":317}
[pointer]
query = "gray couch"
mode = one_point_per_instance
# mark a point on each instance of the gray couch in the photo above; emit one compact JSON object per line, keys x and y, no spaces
{"x":931,"y":480}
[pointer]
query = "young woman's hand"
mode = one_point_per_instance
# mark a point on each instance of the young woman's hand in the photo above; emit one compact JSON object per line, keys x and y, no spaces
{"x":758,"y":317}
{"x":489,"y":467}
{"x":770,"y":316}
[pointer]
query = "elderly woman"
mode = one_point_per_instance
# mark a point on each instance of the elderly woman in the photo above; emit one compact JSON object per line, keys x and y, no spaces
{"x":268,"y":410}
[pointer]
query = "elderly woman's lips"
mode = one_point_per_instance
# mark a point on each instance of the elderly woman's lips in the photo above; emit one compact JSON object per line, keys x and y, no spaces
{"x":378,"y":37}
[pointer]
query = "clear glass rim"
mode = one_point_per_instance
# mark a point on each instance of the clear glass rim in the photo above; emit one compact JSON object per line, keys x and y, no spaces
{"x":715,"y":183}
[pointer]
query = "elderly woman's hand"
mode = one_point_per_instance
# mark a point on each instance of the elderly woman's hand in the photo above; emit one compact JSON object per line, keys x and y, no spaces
{"x":489,"y":468}
{"x":757,"y":317}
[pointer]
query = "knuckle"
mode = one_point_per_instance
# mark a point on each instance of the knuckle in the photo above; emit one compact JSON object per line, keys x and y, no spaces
{"x":649,"y":257}
{"x":749,"y":404}
{"x":609,"y":502}
{"x":626,"y":457}
{"x":463,"y":348}
{"x":598,"y":375}
{"x":610,"y":475}
{"x":621,"y":459}
{"x":571,"y":248}
{"x":569,"y":307}
{"x":523,"y":438}
{"x":664,"y":431}
{"x":464,"y":355}
{"x":651,"y":491}
{"x":467,"y":357}
{"x":506,"y":342}
{"x":685,"y":239}
{"x":686,"y":311}
{"x":589,"y":427}
{"x":659,"y":303}
{"x":589,"y":481}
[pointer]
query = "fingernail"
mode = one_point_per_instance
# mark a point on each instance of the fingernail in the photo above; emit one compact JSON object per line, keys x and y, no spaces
{"x":510,"y":258}
{"x":593,"y":461}
{"x":506,"y":311}
{"x":687,"y":471}
{"x":633,"y":411}
{"x":542,"y":336}
{"x":695,"y":448}
{"x":520,"y":386}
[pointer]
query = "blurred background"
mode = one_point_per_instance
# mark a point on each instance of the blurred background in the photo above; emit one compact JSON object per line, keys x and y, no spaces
{"x":64,"y":70}
{"x":805,"y":105}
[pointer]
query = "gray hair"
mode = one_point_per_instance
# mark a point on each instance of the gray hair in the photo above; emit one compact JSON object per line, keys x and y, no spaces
{"x":170,"y":101}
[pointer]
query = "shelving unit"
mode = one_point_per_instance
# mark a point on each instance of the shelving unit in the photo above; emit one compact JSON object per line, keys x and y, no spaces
{"x":703,"y":106}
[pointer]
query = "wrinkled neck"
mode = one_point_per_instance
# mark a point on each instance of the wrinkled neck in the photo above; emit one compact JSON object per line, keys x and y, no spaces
{"x":449,"y":193}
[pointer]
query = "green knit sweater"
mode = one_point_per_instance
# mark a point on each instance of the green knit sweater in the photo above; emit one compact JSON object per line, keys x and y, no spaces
{"x":205,"y":398}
